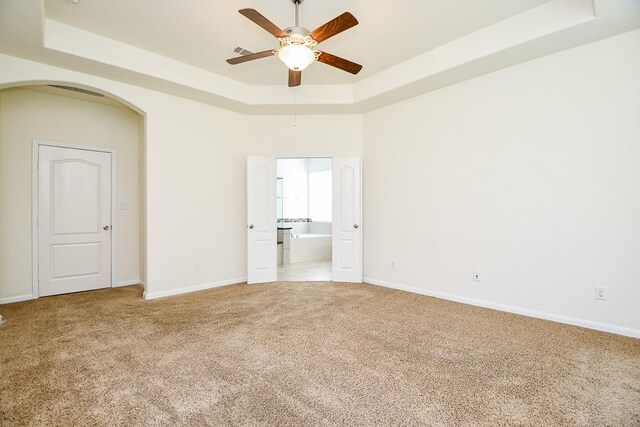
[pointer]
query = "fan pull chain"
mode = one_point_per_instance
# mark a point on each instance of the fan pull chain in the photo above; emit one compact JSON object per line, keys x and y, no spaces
{"x":295,"y":107}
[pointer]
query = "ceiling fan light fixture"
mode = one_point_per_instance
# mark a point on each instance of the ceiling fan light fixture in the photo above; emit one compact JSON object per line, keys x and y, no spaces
{"x":296,"y":56}
{"x":297,"y":44}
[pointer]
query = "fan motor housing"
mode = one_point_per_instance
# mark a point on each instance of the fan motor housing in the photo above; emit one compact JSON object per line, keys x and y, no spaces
{"x":297,"y":31}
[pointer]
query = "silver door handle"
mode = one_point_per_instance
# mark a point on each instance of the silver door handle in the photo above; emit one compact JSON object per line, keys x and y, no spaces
{"x":251,"y":227}
{"x":106,"y":227}
{"x":355,"y":225}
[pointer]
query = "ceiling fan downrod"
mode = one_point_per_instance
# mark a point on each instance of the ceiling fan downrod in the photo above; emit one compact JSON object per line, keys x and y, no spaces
{"x":297,"y":3}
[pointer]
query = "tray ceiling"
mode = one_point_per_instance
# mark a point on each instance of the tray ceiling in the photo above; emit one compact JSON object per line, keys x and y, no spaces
{"x":203,"y":33}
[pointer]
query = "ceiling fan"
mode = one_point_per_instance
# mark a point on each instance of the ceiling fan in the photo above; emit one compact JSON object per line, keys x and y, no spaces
{"x":297,"y":44}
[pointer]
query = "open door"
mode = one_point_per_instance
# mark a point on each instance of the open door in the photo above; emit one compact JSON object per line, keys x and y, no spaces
{"x":261,"y":220}
{"x":347,"y":220}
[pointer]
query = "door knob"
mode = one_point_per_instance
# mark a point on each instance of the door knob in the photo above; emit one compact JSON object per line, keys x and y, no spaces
{"x":251,"y":226}
{"x":106,"y":227}
{"x":355,"y":225}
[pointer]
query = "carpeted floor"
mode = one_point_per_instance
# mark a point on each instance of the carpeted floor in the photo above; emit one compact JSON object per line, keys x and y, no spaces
{"x":305,"y":354}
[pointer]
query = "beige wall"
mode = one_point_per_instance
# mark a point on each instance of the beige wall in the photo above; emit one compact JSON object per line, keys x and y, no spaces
{"x":142,"y":201}
{"x":528,"y":175}
{"x":195,"y":173}
{"x":197,"y":180}
{"x":28,"y":114}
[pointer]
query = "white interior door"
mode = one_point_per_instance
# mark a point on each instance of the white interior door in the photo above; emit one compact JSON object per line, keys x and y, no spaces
{"x":347,"y":220}
{"x":74,"y":220}
{"x":261,"y":219}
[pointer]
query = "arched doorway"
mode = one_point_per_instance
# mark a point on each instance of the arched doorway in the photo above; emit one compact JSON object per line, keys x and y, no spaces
{"x":62,"y":114}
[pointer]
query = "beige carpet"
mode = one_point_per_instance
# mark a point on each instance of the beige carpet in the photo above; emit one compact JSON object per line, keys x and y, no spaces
{"x":305,"y":354}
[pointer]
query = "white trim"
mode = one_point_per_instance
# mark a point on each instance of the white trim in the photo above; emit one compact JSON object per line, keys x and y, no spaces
{"x":34,"y":205}
{"x":195,"y":288}
{"x":127,"y":283}
{"x":604,"y":327}
{"x":17,"y":298}
{"x":34,"y":219}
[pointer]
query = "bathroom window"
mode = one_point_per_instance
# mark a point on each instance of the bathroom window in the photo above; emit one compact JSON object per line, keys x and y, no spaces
{"x":320,"y":196}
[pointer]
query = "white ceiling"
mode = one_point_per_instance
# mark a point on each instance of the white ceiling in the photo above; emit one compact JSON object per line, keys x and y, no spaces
{"x":204,"y":32}
{"x":407,"y":48}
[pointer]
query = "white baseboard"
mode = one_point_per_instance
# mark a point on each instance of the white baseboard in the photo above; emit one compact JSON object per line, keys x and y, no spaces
{"x":18,"y":298}
{"x":127,"y":283}
{"x":604,"y":327}
{"x":188,"y":289}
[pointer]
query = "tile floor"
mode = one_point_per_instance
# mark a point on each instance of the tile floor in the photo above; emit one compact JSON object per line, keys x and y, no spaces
{"x":314,"y":271}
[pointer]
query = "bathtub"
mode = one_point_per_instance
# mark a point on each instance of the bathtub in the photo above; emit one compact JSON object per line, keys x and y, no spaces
{"x":309,"y":247}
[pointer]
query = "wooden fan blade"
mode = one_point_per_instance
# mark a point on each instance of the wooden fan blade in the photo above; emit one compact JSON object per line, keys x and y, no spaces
{"x":341,"y":63}
{"x":333,"y":27}
{"x":251,"y":57}
{"x":295,"y":78}
{"x":256,"y":17}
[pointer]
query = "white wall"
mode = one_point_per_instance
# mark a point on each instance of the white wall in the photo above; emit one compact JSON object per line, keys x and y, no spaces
{"x":295,"y":186}
{"x":319,"y":165}
{"x":300,"y":200}
{"x":528,"y":175}
{"x":320,"y":199}
{"x":200,"y":214}
{"x":142,"y":173}
{"x":195,"y":172}
{"x":26,"y":115}
{"x":309,"y":136}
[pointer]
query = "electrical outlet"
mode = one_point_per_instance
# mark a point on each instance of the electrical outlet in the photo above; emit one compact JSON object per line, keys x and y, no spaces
{"x":123,"y":206}
{"x":1,"y":320}
{"x":601,"y":293}
{"x":394,"y":265}
{"x":196,"y":267}
{"x":476,"y":276}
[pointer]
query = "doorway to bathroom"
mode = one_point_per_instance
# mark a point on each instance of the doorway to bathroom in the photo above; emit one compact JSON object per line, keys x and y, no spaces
{"x":304,"y":212}
{"x":343,"y":226}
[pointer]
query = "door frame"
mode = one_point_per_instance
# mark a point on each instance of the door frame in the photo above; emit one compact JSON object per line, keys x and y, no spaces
{"x":35,"y":157}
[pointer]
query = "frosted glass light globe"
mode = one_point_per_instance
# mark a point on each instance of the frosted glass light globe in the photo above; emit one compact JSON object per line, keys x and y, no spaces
{"x":296,"y":57}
